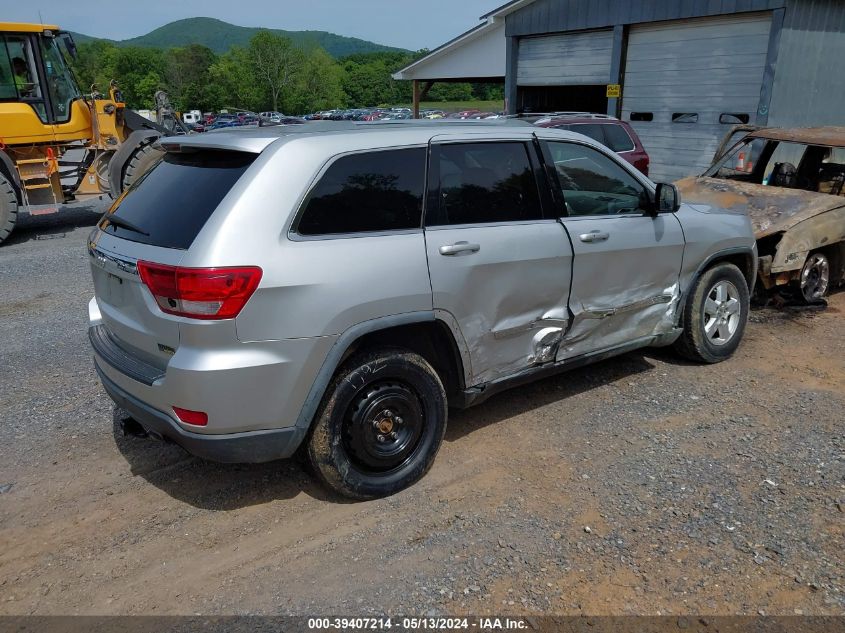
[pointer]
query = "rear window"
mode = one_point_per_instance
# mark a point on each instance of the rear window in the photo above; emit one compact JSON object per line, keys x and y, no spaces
{"x":171,"y":203}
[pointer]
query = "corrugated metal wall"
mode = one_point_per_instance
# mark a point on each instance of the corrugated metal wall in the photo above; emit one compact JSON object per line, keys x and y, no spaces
{"x":809,"y":85}
{"x":571,"y":59}
{"x":686,"y":74}
{"x":549,"y":16}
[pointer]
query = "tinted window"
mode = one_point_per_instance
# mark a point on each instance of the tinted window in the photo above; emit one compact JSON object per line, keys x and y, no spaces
{"x":617,"y":138}
{"x":642,"y":116}
{"x":591,"y":130}
{"x":485,"y":182}
{"x":173,"y":201}
{"x":593,"y":184}
{"x":375,"y":191}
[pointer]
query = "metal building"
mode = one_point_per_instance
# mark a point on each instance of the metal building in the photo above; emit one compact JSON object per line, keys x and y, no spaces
{"x":681,"y":71}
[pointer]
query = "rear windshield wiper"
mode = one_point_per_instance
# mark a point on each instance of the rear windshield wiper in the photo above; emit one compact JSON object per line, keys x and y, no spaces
{"x":126,"y":224}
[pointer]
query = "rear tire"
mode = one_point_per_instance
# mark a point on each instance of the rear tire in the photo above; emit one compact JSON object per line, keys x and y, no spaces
{"x":715,"y":315}
{"x":141,"y":161}
{"x":380,"y":424}
{"x":8,"y":207}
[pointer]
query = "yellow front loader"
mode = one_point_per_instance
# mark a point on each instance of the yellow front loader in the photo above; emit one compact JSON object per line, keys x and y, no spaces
{"x":56,"y":143}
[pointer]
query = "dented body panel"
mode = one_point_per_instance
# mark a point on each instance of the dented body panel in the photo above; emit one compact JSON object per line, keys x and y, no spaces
{"x":503,"y":295}
{"x":771,"y":209}
{"x":626,"y":286}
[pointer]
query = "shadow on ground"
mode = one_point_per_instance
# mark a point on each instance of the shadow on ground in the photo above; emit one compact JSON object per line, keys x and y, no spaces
{"x":55,"y":225}
{"x":213,"y":486}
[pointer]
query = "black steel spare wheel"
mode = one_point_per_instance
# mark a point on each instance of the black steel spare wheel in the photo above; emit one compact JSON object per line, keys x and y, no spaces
{"x":380,"y":424}
{"x":383,"y":426}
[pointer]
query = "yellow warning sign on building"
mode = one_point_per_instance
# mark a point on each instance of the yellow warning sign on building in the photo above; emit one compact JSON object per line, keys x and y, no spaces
{"x":614,"y":91}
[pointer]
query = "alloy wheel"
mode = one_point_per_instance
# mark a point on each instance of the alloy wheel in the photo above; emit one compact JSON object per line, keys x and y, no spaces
{"x":722,"y":312}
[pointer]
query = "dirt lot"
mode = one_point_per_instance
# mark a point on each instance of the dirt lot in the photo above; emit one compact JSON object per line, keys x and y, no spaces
{"x":639,"y":485}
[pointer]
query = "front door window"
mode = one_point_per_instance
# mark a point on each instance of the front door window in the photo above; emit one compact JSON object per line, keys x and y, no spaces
{"x":19,"y":75}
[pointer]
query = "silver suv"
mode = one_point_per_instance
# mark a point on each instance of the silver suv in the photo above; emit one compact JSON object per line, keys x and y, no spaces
{"x":339,"y":286}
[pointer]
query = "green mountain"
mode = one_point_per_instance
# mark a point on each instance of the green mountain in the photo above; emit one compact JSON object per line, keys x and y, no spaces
{"x":220,"y":36}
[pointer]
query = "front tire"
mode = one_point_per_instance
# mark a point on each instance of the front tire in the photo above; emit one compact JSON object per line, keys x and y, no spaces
{"x":380,"y":424}
{"x":814,"y":282}
{"x":715,"y":315}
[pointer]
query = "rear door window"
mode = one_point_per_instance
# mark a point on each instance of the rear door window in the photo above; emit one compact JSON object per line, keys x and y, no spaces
{"x":617,"y":138}
{"x":592,"y":130}
{"x":608,"y":134}
{"x":367,"y":192}
{"x":171,"y":203}
{"x":483,"y":183}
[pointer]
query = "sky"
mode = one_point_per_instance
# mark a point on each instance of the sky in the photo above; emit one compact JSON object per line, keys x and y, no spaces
{"x":411,"y":24}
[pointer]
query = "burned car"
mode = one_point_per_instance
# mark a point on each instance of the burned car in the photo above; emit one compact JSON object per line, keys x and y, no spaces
{"x":790,"y":183}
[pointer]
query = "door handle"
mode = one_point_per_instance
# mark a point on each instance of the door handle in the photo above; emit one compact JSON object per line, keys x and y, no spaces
{"x":594,"y":236}
{"x":459,"y":247}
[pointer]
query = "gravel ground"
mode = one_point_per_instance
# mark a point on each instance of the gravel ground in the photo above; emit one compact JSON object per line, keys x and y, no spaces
{"x":640,"y":485}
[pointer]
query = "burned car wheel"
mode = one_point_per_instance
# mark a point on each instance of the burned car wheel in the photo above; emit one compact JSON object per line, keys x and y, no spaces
{"x":715,"y":315}
{"x":380,"y":424}
{"x":814,"y":282}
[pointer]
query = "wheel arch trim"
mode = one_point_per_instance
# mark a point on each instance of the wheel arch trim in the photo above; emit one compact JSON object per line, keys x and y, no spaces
{"x":750,"y":276}
{"x":353,"y":334}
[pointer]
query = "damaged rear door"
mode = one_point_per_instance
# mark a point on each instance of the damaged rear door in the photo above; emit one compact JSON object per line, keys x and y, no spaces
{"x":497,"y":266}
{"x":627,"y":264}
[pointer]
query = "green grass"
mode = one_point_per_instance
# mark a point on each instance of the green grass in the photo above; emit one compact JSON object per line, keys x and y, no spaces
{"x":457,"y":106}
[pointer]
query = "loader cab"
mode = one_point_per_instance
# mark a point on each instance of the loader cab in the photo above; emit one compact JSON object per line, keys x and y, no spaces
{"x":34,"y":73}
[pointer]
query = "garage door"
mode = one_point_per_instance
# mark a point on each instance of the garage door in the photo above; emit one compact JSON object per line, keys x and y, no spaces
{"x":682,"y":78}
{"x":573,"y":59}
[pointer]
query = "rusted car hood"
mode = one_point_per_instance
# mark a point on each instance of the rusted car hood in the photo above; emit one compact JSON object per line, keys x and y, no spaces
{"x":772,"y":209}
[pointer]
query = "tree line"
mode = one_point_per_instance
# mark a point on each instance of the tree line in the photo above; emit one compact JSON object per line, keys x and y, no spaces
{"x":271,"y":73}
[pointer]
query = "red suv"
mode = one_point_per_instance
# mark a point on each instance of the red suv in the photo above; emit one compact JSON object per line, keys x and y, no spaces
{"x":607,"y":130}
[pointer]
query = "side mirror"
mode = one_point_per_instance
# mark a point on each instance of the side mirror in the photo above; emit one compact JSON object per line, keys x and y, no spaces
{"x":667,"y":198}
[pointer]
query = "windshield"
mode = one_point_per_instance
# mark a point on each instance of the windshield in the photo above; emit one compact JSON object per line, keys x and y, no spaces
{"x":739,"y":162}
{"x":60,"y":82}
{"x":784,"y":164}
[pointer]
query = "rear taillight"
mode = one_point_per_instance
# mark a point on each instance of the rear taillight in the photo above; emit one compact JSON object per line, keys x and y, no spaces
{"x":200,"y":293}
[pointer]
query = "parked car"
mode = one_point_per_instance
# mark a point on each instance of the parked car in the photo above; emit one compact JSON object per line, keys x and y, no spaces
{"x":609,"y":131}
{"x":224,"y":123}
{"x":790,"y":183}
{"x":396,"y":116}
{"x":345,"y":317}
{"x":463,"y":114}
{"x":225,"y":118}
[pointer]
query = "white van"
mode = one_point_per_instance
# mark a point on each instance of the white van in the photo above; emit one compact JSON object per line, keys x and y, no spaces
{"x":193,"y":117}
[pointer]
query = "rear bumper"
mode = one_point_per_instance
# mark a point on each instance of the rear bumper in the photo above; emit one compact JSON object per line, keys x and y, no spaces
{"x":246,"y":447}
